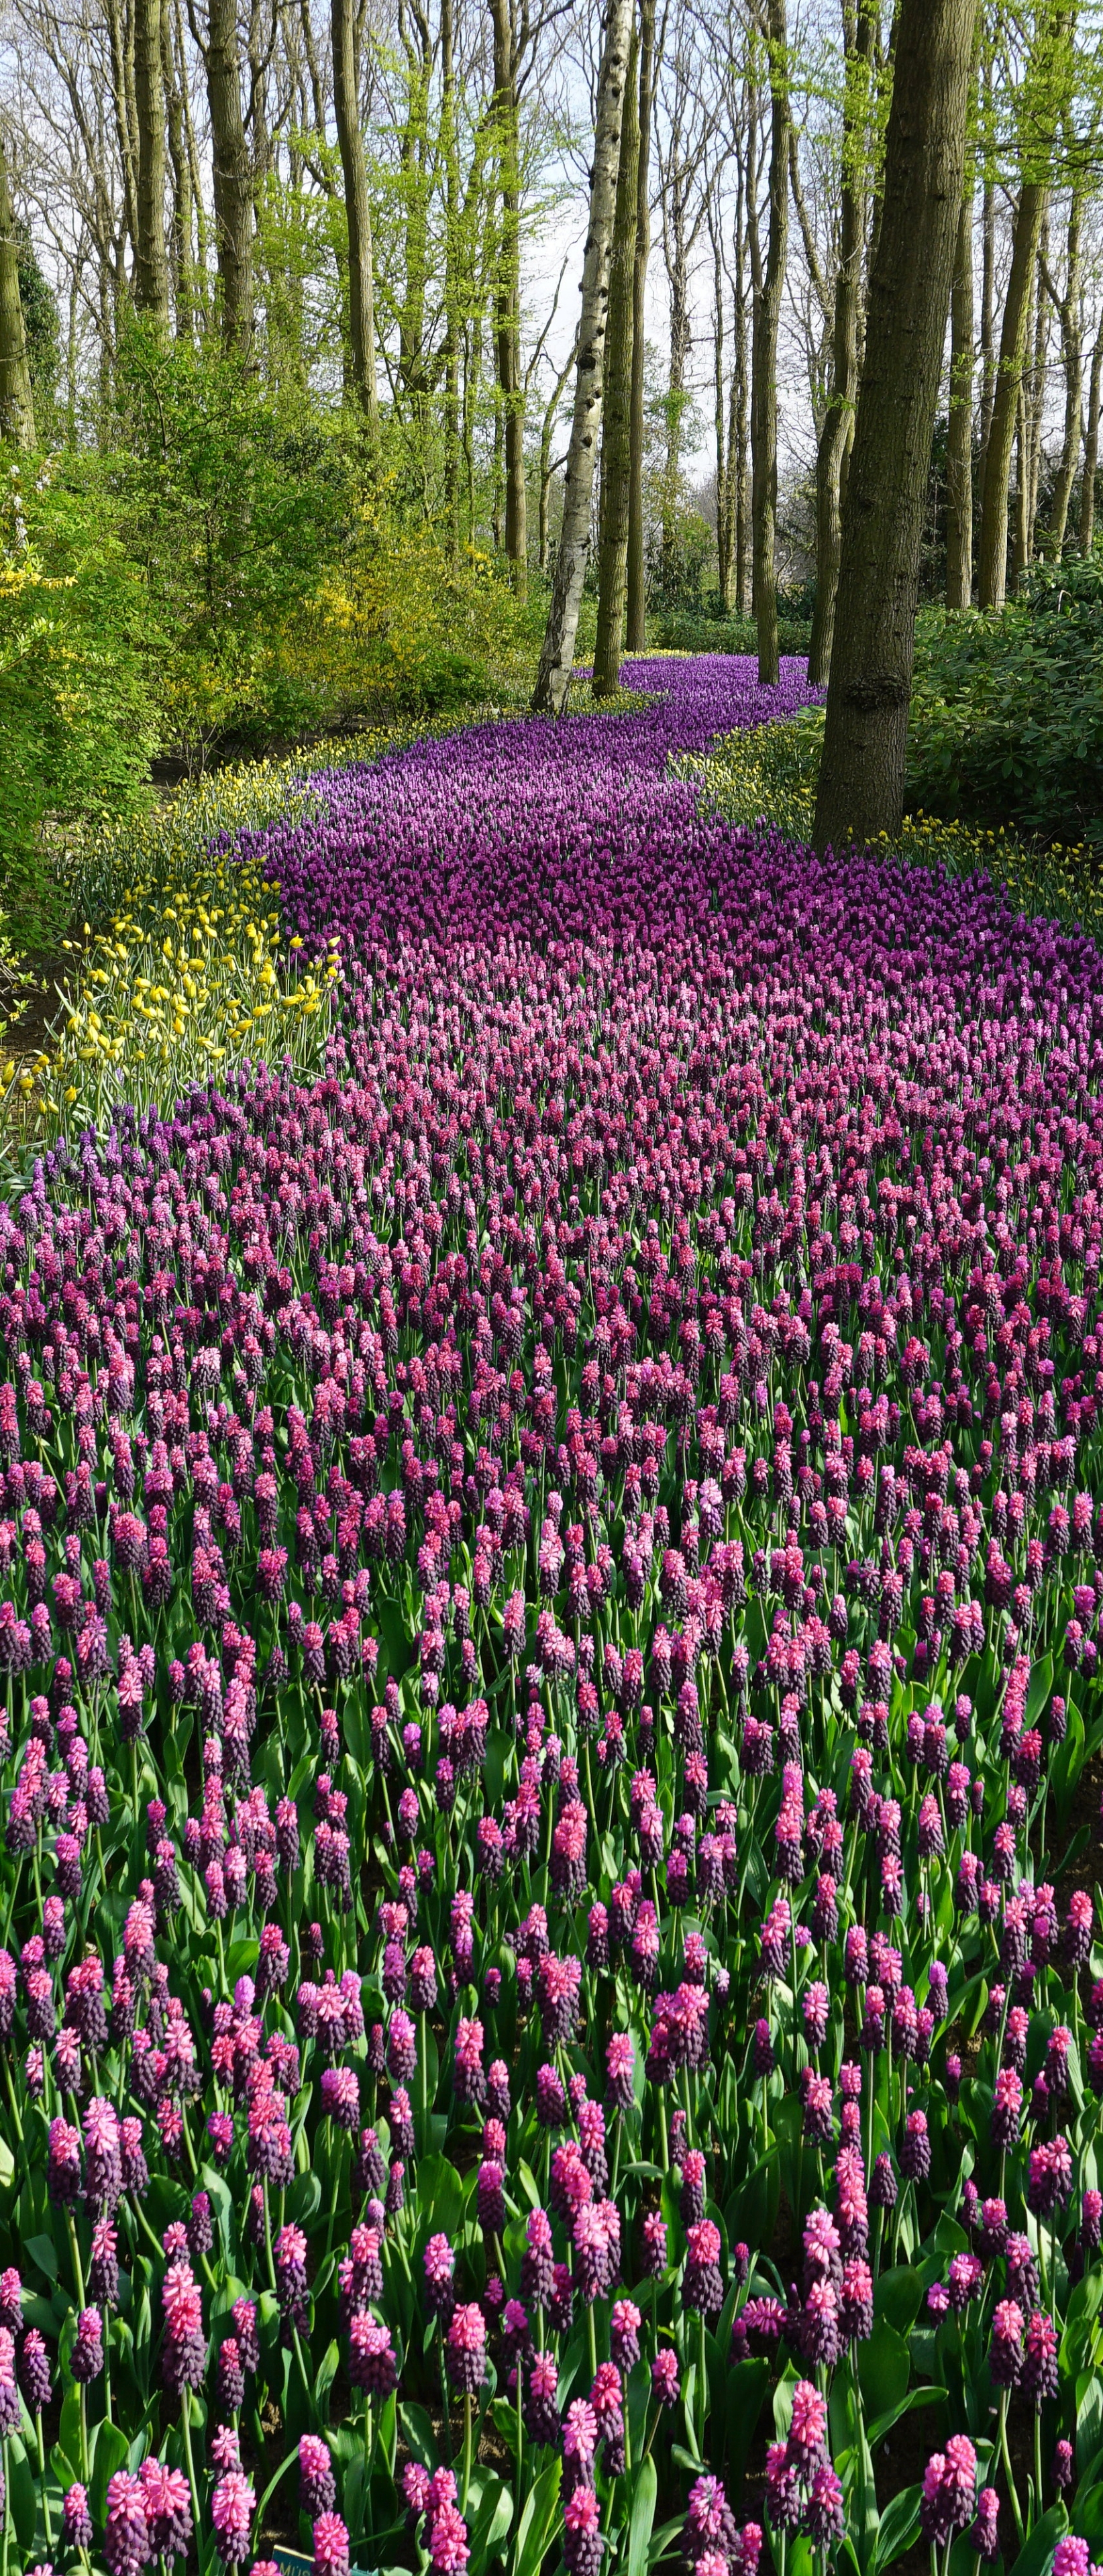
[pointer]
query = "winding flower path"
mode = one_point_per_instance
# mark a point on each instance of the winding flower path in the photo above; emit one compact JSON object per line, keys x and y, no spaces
{"x":550,"y":1589}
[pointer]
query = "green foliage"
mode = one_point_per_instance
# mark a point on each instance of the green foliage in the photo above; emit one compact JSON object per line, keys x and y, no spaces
{"x":40,"y":327}
{"x":684,"y":631}
{"x":679,"y":549}
{"x":1007,"y":709}
{"x":76,"y":714}
{"x":235,"y":502}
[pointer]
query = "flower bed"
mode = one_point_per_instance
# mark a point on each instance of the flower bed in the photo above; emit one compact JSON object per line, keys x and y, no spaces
{"x":548,"y":1976}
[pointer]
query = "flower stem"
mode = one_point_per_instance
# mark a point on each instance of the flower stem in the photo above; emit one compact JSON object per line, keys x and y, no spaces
{"x":1007,"y":2470}
{"x":185,"y":2421}
{"x":466,"y":2453}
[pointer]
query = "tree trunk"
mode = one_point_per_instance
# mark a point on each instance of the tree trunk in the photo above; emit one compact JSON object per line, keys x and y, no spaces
{"x":724,"y":533}
{"x":557,"y":651}
{"x":838,"y":428}
{"x":448,"y":145}
{"x":151,"y":276}
{"x":674,"y":251}
{"x":354,"y":173}
{"x":1034,"y":391}
{"x":16,"y":404}
{"x":959,"y":441}
{"x":1005,"y":404}
{"x":508,"y":293}
{"x":861,"y":786}
{"x":637,"y":595}
{"x":122,"y":100}
{"x":764,"y":339}
{"x":547,"y":468}
{"x":233,"y":187}
{"x":413,"y":194}
{"x":616,"y":430}
{"x":988,"y":265}
{"x":1091,"y":447}
{"x":183,"y":287}
{"x":1072,"y":359}
{"x":199,"y":279}
{"x":1019,"y":491}
{"x":741,"y":380}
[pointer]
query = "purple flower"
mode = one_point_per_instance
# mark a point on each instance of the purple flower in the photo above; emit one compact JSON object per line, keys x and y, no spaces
{"x":126,"y":2545}
{"x":465,"y":2349}
{"x":317,"y":2484}
{"x":372,"y":2364}
{"x":949,"y":2497}
{"x":232,"y":2507}
{"x":331,"y":2546}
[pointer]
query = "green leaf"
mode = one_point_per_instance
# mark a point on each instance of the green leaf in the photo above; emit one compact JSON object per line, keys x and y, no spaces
{"x":326,"y":2374}
{"x":898,"y":2527}
{"x":899,"y":2296}
{"x":110,"y":2451}
{"x":1084,"y":2304}
{"x":747,"y":2386}
{"x":537,"y":2521}
{"x":1041,"y":1686}
{"x":440,"y":2192}
{"x":643,"y":2516}
{"x":23,"y":2494}
{"x":491,"y":2522}
{"x":1035,"y":2556}
{"x":884,"y":2366}
{"x":304,"y":2198}
{"x":241,"y":1959}
{"x":883,"y":2424}
{"x":1089,"y":2419}
{"x":43,"y":2251}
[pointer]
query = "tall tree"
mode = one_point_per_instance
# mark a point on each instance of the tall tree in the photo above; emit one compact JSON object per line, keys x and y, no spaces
{"x":1091,"y":446}
{"x":449,"y":146}
{"x":723,"y":414}
{"x":859,"y":27}
{"x":769,"y":280}
{"x":354,"y":172}
{"x":1067,"y":301}
{"x":683,"y":135}
{"x":747,"y":182}
{"x":16,"y":404}
{"x":557,"y":651}
{"x":232,"y":176}
{"x":637,"y":601}
{"x":616,"y":429}
{"x":151,"y":275}
{"x":182,"y":262}
{"x":507,"y":319}
{"x":959,"y":434}
{"x":1029,"y":422}
{"x":861,"y":784}
{"x":1041,"y":108}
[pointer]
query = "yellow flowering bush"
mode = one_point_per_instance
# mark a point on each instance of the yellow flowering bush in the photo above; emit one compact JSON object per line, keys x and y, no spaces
{"x":398,"y":623}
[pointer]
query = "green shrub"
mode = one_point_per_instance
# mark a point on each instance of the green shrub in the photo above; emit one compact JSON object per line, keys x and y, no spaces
{"x":1007,"y":709}
{"x":681,"y":632}
{"x":77,"y":719}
